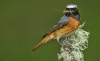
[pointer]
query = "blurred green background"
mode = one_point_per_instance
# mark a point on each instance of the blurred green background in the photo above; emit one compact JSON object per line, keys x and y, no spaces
{"x":24,"y":22}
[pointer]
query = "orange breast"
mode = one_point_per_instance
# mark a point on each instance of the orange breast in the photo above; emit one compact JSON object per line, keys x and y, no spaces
{"x":70,"y":27}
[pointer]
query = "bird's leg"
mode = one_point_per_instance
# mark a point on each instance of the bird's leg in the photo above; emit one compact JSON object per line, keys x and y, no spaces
{"x":59,"y":41}
{"x":62,"y":45}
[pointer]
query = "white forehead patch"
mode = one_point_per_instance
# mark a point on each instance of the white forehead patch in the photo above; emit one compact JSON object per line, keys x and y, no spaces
{"x":71,"y":6}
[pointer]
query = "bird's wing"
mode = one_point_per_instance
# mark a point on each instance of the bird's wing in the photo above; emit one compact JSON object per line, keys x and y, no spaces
{"x":62,"y":22}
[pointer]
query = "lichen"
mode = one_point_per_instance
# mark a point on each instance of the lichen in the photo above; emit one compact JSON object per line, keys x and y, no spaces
{"x":78,"y":42}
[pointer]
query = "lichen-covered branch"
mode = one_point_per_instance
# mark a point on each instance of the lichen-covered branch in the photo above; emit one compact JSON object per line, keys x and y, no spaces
{"x":75,"y":43}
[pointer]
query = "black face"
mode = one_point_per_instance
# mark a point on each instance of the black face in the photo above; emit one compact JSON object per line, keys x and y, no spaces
{"x":71,"y":11}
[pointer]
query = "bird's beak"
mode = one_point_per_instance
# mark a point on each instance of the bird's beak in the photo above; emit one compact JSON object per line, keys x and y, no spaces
{"x":65,"y":11}
{"x":68,"y":11}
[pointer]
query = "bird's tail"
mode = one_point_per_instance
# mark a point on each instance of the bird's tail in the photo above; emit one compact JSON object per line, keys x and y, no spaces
{"x":46,"y":39}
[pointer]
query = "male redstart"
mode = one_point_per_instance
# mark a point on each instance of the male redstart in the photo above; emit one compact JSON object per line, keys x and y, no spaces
{"x":68,"y":23}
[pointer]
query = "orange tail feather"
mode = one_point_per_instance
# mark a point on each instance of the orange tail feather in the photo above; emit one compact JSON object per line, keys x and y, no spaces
{"x":42,"y":42}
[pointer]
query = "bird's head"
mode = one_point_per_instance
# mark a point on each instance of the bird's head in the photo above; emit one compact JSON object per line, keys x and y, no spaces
{"x":71,"y":10}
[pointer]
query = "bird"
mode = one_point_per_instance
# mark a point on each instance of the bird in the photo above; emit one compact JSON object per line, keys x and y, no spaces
{"x":67,"y":24}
